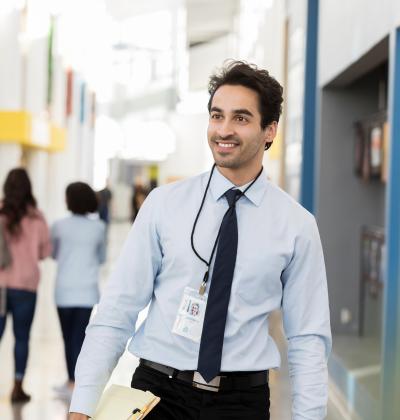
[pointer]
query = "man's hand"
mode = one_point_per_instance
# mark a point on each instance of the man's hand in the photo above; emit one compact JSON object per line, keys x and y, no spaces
{"x":78,"y":416}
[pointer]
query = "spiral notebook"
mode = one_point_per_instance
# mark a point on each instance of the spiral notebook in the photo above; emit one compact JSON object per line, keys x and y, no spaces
{"x":124,"y":403}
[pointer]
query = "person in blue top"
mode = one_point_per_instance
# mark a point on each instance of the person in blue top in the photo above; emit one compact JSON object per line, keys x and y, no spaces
{"x":79,"y":247}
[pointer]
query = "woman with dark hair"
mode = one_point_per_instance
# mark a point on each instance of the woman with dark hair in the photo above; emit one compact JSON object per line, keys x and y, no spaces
{"x":28,"y":240}
{"x":79,"y":245}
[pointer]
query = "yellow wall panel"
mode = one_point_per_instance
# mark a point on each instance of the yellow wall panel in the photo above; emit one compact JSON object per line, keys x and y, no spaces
{"x":58,"y":138}
{"x":17,"y":127}
{"x":275,"y":151}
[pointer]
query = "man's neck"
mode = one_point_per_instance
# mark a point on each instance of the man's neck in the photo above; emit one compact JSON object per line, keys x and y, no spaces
{"x":239,"y":177}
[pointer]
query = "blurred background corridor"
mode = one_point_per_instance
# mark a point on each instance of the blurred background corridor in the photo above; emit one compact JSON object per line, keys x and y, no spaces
{"x":113,"y":93}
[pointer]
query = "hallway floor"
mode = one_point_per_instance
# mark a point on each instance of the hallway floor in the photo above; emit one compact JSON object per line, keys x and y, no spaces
{"x":46,"y":366}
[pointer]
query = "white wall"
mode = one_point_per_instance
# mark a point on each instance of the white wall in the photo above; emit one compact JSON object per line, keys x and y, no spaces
{"x":260,"y":33}
{"x":10,"y":62}
{"x":10,"y":157}
{"x":37,"y":164}
{"x":35,"y":79}
{"x":348,"y":29}
{"x":296,"y":10}
{"x":206,"y":58}
{"x":191,"y":155}
{"x":35,"y":102}
{"x":57,"y":164}
{"x":10,"y":85}
{"x":271,"y":40}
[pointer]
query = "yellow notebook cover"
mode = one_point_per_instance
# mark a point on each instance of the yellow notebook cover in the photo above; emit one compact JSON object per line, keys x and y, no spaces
{"x":124,"y":403}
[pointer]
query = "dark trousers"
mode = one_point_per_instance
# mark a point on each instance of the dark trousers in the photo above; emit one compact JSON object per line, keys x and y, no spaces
{"x":21,"y":305}
{"x":180,"y":401}
{"x":73,"y":325}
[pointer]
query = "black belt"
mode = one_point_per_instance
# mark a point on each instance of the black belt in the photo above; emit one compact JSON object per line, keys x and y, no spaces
{"x":224,"y":382}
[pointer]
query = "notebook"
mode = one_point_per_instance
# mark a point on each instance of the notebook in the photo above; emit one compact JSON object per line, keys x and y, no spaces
{"x":124,"y":403}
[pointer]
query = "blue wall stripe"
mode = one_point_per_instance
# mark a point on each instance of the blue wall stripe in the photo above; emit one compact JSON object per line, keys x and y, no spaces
{"x":307,"y":186}
{"x":391,"y":326}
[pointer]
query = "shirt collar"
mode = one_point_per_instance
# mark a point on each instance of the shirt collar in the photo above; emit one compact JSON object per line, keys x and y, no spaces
{"x":219,"y":185}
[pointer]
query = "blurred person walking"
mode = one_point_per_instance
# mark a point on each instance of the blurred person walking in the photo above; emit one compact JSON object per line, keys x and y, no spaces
{"x":104,"y":198}
{"x":79,"y":247}
{"x":27,"y":238}
{"x":139,"y":195}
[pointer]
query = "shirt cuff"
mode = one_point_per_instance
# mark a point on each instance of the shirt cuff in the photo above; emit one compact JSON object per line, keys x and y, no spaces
{"x":84,"y":400}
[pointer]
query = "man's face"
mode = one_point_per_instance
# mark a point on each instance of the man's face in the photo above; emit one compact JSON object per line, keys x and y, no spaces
{"x":234,"y":132}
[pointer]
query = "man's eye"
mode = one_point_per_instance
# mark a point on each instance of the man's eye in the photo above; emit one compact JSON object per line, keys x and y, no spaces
{"x":240,"y":118}
{"x":216,"y":116}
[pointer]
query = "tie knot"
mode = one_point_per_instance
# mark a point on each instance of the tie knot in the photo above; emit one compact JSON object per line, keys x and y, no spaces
{"x":232,"y":196}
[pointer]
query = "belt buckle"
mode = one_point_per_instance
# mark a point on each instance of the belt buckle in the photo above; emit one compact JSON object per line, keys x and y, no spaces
{"x":199,"y":382}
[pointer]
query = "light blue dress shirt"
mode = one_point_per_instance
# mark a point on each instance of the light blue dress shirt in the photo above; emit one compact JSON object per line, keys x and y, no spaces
{"x":279,"y":264}
{"x":79,"y":247}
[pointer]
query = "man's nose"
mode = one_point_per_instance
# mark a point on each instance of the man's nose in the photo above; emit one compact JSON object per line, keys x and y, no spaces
{"x":225,"y":129}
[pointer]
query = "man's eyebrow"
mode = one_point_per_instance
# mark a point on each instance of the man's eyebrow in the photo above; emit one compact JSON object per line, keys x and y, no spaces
{"x":243,"y":111}
{"x":235,"y":111}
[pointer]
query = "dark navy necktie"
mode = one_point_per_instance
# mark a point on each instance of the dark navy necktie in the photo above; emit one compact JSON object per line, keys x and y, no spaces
{"x":212,"y":338}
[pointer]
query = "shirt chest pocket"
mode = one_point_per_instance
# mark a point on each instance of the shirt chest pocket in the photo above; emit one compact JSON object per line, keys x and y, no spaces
{"x":258,"y":279}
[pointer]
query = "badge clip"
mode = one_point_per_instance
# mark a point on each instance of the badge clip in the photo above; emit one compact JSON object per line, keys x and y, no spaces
{"x":202,"y":289}
{"x":203,"y":285}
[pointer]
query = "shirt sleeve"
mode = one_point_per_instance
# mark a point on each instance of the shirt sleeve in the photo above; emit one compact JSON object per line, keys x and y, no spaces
{"x":102,"y":245}
{"x":128,"y":291}
{"x":306,"y":320}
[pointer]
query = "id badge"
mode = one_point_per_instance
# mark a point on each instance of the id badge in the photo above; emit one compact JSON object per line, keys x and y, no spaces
{"x":190,"y":317}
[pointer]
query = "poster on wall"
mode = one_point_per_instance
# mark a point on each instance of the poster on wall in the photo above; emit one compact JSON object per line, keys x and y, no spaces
{"x":69,"y":93}
{"x":370,"y":147}
{"x":366,"y":159}
{"x":372,"y":270}
{"x":385,"y":152}
{"x":375,"y":150}
{"x":358,"y":149}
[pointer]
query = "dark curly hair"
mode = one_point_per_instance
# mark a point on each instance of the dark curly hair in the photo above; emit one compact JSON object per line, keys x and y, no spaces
{"x":270,"y":92}
{"x":81,"y":199}
{"x":18,"y":198}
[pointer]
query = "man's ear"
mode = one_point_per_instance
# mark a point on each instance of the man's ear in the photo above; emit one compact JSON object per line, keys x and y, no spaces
{"x":270,"y":134}
{"x":268,"y":144}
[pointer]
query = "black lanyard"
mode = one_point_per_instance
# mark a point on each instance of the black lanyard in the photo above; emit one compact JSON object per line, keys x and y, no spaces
{"x":208,"y":263}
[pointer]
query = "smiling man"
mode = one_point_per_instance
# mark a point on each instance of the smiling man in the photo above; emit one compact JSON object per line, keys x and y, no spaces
{"x":214,"y":255}
{"x":236,"y":133}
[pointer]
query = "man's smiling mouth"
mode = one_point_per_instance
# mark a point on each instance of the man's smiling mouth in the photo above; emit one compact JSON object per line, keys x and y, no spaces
{"x":226,"y":145}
